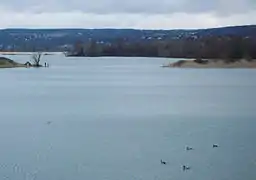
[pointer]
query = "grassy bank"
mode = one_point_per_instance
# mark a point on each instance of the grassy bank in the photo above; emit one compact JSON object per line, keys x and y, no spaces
{"x":8,"y":63}
{"x":213,"y":63}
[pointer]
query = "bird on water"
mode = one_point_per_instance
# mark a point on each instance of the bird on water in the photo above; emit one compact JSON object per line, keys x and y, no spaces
{"x":215,"y":145}
{"x":185,"y":168}
{"x":189,"y":148}
{"x":162,"y":162}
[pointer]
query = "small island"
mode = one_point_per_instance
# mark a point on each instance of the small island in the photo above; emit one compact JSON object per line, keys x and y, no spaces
{"x":8,"y":63}
{"x":213,"y":63}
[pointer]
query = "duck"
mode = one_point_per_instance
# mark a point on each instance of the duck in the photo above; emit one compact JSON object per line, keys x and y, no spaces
{"x":215,"y":145}
{"x":185,"y":168}
{"x":163,"y":162}
{"x":189,"y":148}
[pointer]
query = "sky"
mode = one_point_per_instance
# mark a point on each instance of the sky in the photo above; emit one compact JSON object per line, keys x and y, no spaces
{"x":139,"y":14}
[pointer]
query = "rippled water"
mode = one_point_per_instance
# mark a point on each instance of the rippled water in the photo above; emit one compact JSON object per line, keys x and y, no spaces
{"x":115,"y":118}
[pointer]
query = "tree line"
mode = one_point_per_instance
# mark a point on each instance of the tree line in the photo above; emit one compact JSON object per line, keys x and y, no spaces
{"x":214,"y":47}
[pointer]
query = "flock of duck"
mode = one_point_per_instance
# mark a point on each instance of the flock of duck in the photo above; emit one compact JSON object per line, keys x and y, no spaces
{"x":184,"y":167}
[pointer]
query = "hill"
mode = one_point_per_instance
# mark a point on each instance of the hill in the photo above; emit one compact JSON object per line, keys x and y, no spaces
{"x":64,"y":39}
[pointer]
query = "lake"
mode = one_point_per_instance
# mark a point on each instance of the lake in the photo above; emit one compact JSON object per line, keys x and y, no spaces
{"x":116,"y":118}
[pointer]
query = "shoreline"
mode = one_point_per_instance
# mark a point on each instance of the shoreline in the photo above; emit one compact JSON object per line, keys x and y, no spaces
{"x":213,"y":63}
{"x":28,"y":53}
{"x":9,"y":63}
{"x":12,"y":66}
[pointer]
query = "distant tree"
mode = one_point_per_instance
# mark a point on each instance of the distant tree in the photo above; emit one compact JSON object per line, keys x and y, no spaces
{"x":228,"y":47}
{"x":79,"y":49}
{"x":36,"y":58}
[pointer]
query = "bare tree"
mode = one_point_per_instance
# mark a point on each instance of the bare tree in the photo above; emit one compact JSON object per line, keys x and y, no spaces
{"x":36,"y":58}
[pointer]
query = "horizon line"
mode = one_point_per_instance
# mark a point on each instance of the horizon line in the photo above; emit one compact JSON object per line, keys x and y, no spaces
{"x":113,"y":28}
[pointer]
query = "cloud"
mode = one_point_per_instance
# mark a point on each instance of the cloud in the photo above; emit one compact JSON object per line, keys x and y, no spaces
{"x":159,"y":14}
{"x":78,"y":19}
{"x":133,"y":6}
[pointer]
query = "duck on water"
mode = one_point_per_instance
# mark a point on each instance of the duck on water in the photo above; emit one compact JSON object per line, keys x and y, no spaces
{"x":163,"y":162}
{"x":185,"y":168}
{"x":215,"y":145}
{"x":189,"y":148}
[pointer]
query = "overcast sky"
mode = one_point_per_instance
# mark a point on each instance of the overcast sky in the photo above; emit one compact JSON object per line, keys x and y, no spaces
{"x":149,"y":14}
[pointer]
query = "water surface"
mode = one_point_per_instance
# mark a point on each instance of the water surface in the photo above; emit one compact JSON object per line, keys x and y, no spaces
{"x":115,"y":118}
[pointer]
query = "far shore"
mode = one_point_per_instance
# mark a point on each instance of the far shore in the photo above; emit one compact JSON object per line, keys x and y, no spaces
{"x":213,"y":63}
{"x":27,"y":53}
